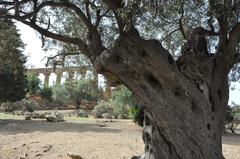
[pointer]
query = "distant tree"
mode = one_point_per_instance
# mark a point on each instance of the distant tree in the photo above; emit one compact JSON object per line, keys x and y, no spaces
{"x":60,"y":94}
{"x":12,"y":69}
{"x":33,"y":85}
{"x":80,"y":90}
{"x":123,"y":100}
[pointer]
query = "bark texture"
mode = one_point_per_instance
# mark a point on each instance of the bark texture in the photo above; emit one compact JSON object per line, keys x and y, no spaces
{"x":184,"y":101}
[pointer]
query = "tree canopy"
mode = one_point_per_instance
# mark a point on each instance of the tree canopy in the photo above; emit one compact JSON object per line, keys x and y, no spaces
{"x":74,"y":25}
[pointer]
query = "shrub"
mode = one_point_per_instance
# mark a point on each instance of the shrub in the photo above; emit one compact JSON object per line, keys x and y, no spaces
{"x":137,"y":114}
{"x":33,"y":85}
{"x":26,"y":105}
{"x":46,"y":93}
{"x":103,"y":107}
{"x":60,"y":94}
{"x":122,"y":101}
{"x":8,"y":106}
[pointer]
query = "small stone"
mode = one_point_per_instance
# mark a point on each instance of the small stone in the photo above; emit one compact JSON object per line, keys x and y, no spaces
{"x":74,"y":156}
{"x":47,"y":148}
{"x":38,"y":155}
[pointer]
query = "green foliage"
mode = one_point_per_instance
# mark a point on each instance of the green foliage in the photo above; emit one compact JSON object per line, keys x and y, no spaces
{"x":122,"y":105}
{"x":23,"y":105}
{"x":8,"y":106}
{"x":46,"y":93}
{"x":236,"y":111}
{"x":137,"y":114}
{"x":103,"y":107}
{"x":122,"y":101}
{"x":12,"y":71}
{"x":75,"y":92}
{"x":232,"y":119}
{"x":33,"y":85}
{"x":60,"y":94}
{"x":28,"y":105}
{"x":80,"y":90}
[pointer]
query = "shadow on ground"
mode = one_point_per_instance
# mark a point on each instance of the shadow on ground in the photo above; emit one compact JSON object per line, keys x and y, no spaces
{"x":12,"y":127}
{"x":231,"y":139}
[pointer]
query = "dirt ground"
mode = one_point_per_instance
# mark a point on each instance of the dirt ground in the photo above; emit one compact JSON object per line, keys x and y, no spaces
{"x":91,"y":139}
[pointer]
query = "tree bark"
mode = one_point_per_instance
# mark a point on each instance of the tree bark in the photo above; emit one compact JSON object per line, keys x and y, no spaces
{"x":184,"y":101}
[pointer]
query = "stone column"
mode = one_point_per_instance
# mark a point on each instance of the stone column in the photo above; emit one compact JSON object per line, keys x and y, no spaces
{"x":59,"y":77}
{"x":46,"y":79}
{"x":108,"y":91}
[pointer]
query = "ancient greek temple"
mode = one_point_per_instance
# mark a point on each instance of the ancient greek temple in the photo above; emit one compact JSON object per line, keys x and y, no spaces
{"x":59,"y":73}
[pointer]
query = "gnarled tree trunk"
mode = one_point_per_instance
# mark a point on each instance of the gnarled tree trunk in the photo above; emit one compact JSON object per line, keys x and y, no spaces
{"x":184,"y":101}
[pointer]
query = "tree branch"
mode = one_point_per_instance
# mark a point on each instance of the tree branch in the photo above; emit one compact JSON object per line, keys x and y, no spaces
{"x":234,"y":36}
{"x":61,"y":54}
{"x":114,"y":6}
{"x":82,"y":46}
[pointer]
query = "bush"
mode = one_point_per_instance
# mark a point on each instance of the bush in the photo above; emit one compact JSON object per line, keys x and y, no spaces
{"x":8,"y":106}
{"x":46,"y":93}
{"x":23,"y":105}
{"x":122,"y":101}
{"x":33,"y":83}
{"x":101,"y":108}
{"x":60,"y":94}
{"x":137,"y":114}
{"x":29,"y":105}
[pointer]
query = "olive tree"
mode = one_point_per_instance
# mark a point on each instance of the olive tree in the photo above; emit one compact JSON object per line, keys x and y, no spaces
{"x":184,"y":90}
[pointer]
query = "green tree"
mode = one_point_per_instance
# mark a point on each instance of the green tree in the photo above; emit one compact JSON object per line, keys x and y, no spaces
{"x":33,"y":85}
{"x":184,"y":90}
{"x":60,"y":94}
{"x":80,"y":90}
{"x":122,"y":101}
{"x":12,"y":69}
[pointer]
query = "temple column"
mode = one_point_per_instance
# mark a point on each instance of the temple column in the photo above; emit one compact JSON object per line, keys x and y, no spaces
{"x":108,"y":91}
{"x":46,"y":79}
{"x":59,"y":77}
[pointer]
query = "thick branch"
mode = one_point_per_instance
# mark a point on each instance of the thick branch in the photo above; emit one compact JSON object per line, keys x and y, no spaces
{"x":82,"y":46}
{"x":12,"y":3}
{"x":114,"y":6}
{"x":234,"y":36}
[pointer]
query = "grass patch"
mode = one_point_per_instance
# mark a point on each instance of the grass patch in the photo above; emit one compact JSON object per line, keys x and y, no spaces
{"x":77,"y":119}
{"x":10,"y":116}
{"x":5,"y":116}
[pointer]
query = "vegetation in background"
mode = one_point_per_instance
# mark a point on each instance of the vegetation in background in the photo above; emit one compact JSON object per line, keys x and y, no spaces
{"x":22,"y":105}
{"x":60,"y":94}
{"x":232,"y":119}
{"x":122,"y":105}
{"x":46,"y":93}
{"x":122,"y":101}
{"x":12,"y":70}
{"x":75,"y":91}
{"x":33,"y":85}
